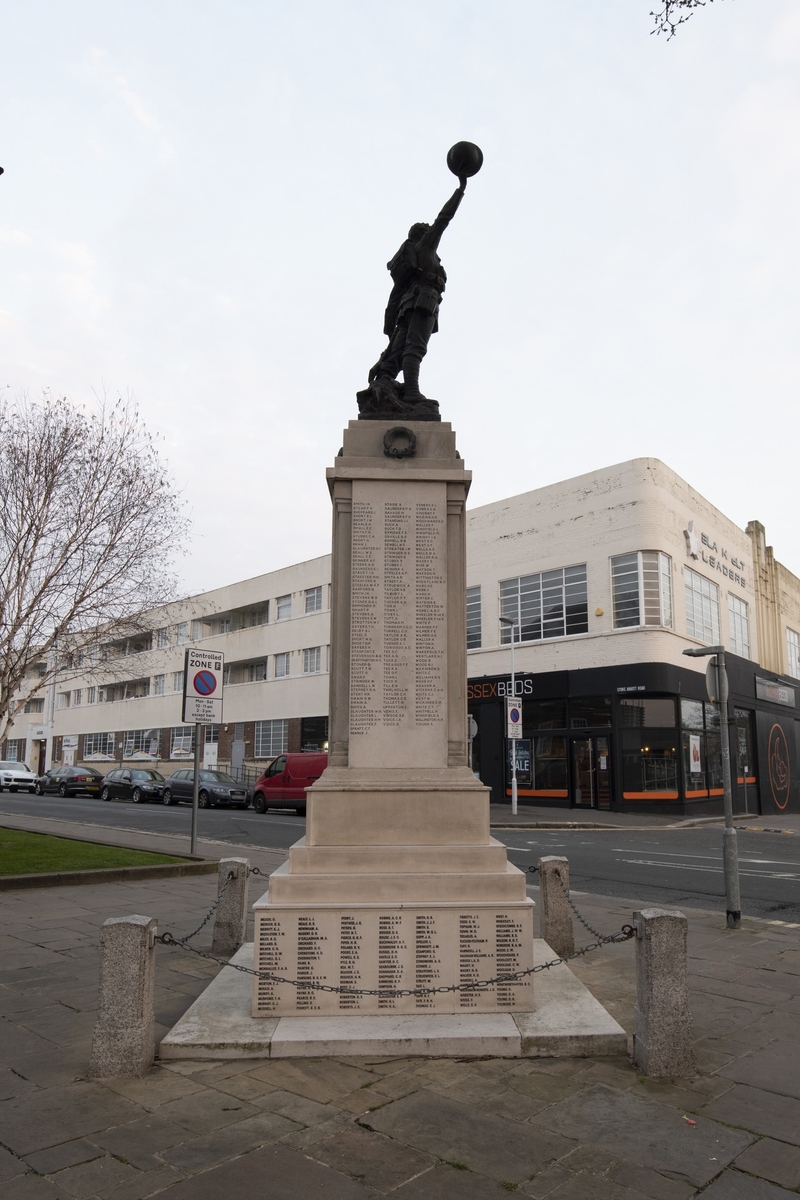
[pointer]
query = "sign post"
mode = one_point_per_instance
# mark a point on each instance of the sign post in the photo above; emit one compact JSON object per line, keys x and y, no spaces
{"x":202,"y":705}
{"x":513,"y":733}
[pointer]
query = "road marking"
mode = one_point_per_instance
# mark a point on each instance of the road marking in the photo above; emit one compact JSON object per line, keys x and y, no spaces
{"x":648,"y":862}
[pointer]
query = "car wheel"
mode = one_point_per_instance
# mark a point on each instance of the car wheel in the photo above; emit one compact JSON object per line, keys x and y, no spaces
{"x":137,"y":796}
{"x":259,"y":803}
{"x":167,"y":797}
{"x":300,"y":809}
{"x":62,"y":790}
{"x":12,"y":789}
{"x":105,"y":794}
{"x":38,"y":789}
{"x":203,"y":801}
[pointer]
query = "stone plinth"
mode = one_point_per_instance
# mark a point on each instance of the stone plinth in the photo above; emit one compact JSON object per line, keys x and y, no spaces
{"x":397,"y":883}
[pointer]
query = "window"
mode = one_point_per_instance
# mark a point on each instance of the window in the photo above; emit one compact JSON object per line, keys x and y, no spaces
{"x":158,"y":684}
{"x":702,"y":607}
{"x":590,"y":713}
{"x":793,"y":649}
{"x":212,"y":735}
{"x":77,"y":698}
{"x":641,"y":586}
{"x":738,"y":625}
{"x":224,"y":624}
{"x":282,"y":665}
{"x":34,"y":706}
{"x":550,"y":604}
{"x":182,"y":742}
{"x":197,"y":630}
{"x":314,"y":733}
{"x":141,"y":743}
{"x":652,"y":713}
{"x":702,"y":749}
{"x":63,"y":700}
{"x":12,"y":749}
{"x":473,"y":618}
{"x":182,"y":633}
{"x":314,"y":599}
{"x":91,"y":695}
{"x":177,"y":681}
{"x":312,"y":660}
{"x":254,"y":672}
{"x":272,"y":737}
{"x":162,"y":638}
{"x":98,"y":745}
{"x":284,"y":608}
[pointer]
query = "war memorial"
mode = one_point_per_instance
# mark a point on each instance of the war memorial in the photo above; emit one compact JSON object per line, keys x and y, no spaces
{"x":398,"y":923}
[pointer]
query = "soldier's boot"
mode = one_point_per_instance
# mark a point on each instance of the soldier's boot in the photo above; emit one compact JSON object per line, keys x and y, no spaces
{"x":411,"y":392}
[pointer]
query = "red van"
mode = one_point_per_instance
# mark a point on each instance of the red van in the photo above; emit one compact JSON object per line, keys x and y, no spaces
{"x":284,"y":783}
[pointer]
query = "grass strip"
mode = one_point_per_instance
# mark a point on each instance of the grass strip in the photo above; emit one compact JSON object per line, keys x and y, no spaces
{"x":23,"y":853}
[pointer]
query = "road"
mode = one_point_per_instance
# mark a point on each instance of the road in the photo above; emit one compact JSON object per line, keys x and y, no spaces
{"x":674,"y":867}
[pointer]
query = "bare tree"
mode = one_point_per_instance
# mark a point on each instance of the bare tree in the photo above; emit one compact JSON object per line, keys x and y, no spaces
{"x":90,"y":520}
{"x":675,"y":13}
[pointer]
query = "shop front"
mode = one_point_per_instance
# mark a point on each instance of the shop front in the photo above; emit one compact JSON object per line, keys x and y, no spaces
{"x":638,"y":737}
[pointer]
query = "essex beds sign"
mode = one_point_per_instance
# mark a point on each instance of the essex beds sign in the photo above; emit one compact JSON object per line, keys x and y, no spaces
{"x":202,"y":687}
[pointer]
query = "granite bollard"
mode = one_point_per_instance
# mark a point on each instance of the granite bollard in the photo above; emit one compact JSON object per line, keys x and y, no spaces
{"x":556,"y":912}
{"x":230,"y":920}
{"x":662,"y":1038}
{"x":123,"y":1044}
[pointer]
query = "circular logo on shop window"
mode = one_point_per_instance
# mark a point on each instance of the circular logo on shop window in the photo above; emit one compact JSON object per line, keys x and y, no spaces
{"x":779,"y":772}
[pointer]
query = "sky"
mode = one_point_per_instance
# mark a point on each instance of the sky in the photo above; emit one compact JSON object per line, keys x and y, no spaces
{"x":200,"y":198}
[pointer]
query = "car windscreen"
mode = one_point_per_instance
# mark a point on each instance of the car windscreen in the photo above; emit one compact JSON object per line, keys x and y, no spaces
{"x":218,"y":777}
{"x":148,"y":776}
{"x":15,"y":766}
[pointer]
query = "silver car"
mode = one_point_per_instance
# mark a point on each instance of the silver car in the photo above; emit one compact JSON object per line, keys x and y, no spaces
{"x":17,"y":777}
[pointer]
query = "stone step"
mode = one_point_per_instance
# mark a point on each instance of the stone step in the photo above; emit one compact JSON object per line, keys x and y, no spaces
{"x":386,"y":887}
{"x":401,"y":860}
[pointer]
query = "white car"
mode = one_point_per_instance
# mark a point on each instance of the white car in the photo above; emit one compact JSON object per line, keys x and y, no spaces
{"x":17,"y":777}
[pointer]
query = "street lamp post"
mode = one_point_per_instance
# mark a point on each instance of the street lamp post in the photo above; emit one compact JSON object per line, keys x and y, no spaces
{"x":513,"y":624}
{"x":730,"y":852}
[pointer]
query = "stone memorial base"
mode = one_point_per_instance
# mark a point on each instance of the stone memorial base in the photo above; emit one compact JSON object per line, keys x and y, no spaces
{"x":567,"y":1022}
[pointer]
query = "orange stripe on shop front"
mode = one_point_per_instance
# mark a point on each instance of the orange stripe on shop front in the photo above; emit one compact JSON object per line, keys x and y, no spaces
{"x":650,"y":795}
{"x":538,"y":792}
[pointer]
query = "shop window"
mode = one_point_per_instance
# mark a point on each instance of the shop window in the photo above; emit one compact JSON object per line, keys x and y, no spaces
{"x":544,"y":714}
{"x":473,"y":618}
{"x":549,"y":768}
{"x":141,"y":743}
{"x":547,"y":605}
{"x":692,"y":714}
{"x":793,"y":652}
{"x":745,"y":746}
{"x":98,"y":745}
{"x":271,"y":738}
{"x":702,"y":607}
{"x":701,"y":743}
{"x":649,"y":764}
{"x":314,"y":733}
{"x":738,"y":626}
{"x":588,"y":714}
{"x":652,"y":712}
{"x":641,"y":586}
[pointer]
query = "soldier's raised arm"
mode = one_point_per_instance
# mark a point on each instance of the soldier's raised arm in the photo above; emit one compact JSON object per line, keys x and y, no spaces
{"x":433,"y":236}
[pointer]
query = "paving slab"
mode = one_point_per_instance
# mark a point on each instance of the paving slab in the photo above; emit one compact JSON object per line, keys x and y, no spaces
{"x":138,"y":1142}
{"x":199,"y":1154}
{"x":46,"y":1118}
{"x":99,"y":1177}
{"x":772,"y":1160}
{"x":456,"y":1132}
{"x":761,"y":1111}
{"x":645,"y":1132}
{"x":732,"y":1185}
{"x":775,"y":1068}
{"x":371,"y":1159}
{"x":444,"y":1182}
{"x":271,"y":1173}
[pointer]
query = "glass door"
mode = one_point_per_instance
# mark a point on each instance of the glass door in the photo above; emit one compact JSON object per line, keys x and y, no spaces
{"x":591,"y":772}
{"x":583,"y":773}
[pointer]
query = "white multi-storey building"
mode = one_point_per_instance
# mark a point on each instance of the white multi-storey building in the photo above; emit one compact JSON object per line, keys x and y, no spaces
{"x":607,"y":578}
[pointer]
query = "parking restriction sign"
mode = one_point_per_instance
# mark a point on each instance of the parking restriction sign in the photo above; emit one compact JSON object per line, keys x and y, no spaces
{"x":513,"y":718}
{"x":202,"y":687}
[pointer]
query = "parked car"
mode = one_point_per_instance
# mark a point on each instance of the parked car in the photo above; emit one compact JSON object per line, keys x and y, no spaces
{"x":217,"y":788}
{"x":133,"y":783}
{"x":284,"y":782}
{"x":69,"y":781}
{"x":17,"y":777}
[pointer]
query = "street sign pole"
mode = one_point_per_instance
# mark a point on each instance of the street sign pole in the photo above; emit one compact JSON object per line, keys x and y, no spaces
{"x":198,"y":729}
{"x":202,"y":705}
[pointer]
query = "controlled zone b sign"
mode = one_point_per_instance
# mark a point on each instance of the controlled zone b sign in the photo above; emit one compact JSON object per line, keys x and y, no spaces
{"x":202,"y":687}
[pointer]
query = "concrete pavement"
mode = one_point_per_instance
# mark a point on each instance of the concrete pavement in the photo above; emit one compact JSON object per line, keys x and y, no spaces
{"x":573,"y":1129}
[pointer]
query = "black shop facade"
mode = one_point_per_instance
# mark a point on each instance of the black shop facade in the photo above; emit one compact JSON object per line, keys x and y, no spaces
{"x":640,"y":737}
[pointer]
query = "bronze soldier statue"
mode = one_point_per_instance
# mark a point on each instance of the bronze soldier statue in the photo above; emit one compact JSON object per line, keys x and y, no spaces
{"x":412,"y":313}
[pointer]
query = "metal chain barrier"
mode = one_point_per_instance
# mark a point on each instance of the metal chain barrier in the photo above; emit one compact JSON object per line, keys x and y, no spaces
{"x":167,"y":939}
{"x":625,"y":933}
{"x":604,"y":938}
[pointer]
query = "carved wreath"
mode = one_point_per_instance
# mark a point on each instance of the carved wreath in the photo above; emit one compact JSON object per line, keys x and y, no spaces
{"x":394,"y":439}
